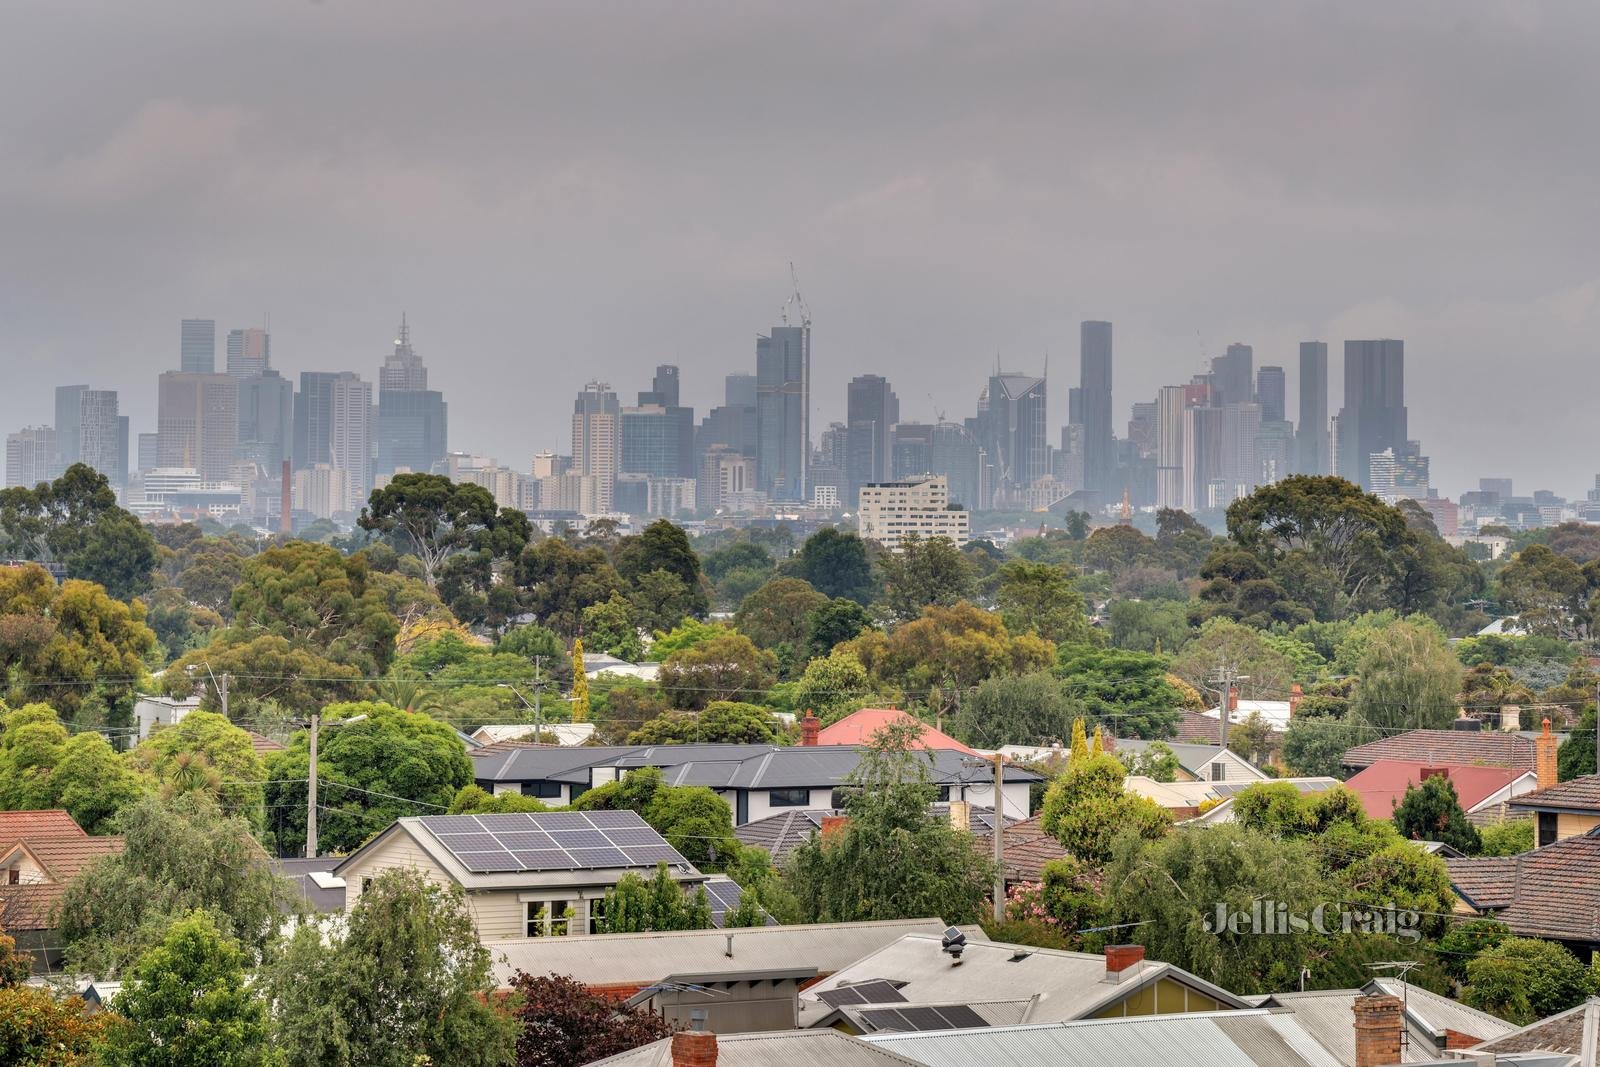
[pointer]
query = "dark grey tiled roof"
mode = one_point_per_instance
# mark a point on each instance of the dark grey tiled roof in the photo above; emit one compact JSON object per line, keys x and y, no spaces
{"x":299,"y":872}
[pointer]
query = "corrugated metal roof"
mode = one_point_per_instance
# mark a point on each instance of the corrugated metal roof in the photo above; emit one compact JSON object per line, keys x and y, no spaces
{"x":1250,"y":1038}
{"x":793,"y":1048}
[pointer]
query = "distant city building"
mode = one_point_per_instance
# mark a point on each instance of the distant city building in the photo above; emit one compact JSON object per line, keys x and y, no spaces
{"x":871,"y":410}
{"x":670,"y":497}
{"x":889,"y":512}
{"x":68,"y":425}
{"x":182,"y":493}
{"x":1094,"y":390}
{"x":1445,"y":513}
{"x":197,"y":419}
{"x":740,"y":390}
{"x":963,"y":463}
{"x":266,"y":421}
{"x":1233,"y":376}
{"x":1143,"y":428}
{"x":1275,"y":452}
{"x":597,"y":441}
{"x":724,"y":475}
{"x":1010,"y":428}
{"x":313,"y":419}
{"x":1501,"y":487}
{"x":413,"y":420}
{"x":30,"y":457}
{"x":1271,"y":386}
{"x":249,"y":352}
{"x":197,"y":346}
{"x":1241,"y":462}
{"x":547,"y":464}
{"x":350,"y":436}
{"x":1203,"y":481}
{"x":657,"y":440}
{"x":912,"y":446}
{"x":322,"y":491}
{"x":149,"y":452}
{"x":1373,"y":418}
{"x":1313,"y":443}
{"x":101,"y":444}
{"x":783,"y":411}
{"x":825,"y":497}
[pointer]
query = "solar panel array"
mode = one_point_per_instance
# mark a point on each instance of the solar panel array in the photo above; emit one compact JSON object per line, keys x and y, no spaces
{"x":922,"y":1020}
{"x":878,"y":991}
{"x":551,"y":841}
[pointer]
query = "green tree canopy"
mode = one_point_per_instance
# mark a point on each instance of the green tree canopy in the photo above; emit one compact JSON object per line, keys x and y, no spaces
{"x":778,"y":614}
{"x":1127,"y":691}
{"x":725,"y":667}
{"x":924,"y":572}
{"x":1222,"y":641}
{"x":1432,"y":812}
{"x":721,"y":721}
{"x":833,"y":686}
{"x":375,"y":764}
{"x":663,"y":546}
{"x":1015,"y":709}
{"x":634,"y":905}
{"x":561,"y":579}
{"x":836,"y":565}
{"x":1086,"y":807}
{"x":1408,"y":679}
{"x":833,"y":623}
{"x":436,"y":517}
{"x":1549,"y":593}
{"x":609,"y":627}
{"x":42,"y":766}
{"x":225,"y":748}
{"x":1524,"y":979}
{"x":75,"y":521}
{"x":1039,"y":598}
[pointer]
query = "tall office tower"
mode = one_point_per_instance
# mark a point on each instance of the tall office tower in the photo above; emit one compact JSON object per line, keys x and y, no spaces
{"x":197,"y":418}
{"x":351,"y":432}
{"x":678,"y":448}
{"x":249,"y":352}
{"x":313,"y":419}
{"x":1010,"y":428}
{"x":1094,"y":385}
{"x":871,"y":410}
{"x":1313,"y":442}
{"x":1411,"y":478}
{"x":1143,"y":423}
{"x":30,"y":456}
{"x":1373,"y":418}
{"x":663,"y":387}
{"x":100,"y":433}
{"x":958,"y":456}
{"x":413,"y":428}
{"x":1500,"y":487}
{"x":652,"y":441}
{"x":911,"y":446}
{"x":149,"y":452}
{"x":828,"y":472}
{"x":783,"y":411}
{"x":266,"y":421}
{"x":1171,"y":402}
{"x":1241,"y":465}
{"x":1270,"y":388}
{"x":403,"y":370}
{"x":597,"y":440}
{"x":197,"y":346}
{"x":1203,"y":432}
{"x":1275,"y":451}
{"x":1233,"y":376}
{"x":69,"y":413}
{"x":123,"y":457}
{"x":739,"y":390}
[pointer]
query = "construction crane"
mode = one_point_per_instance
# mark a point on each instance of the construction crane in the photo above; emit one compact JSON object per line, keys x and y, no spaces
{"x":797,"y":300}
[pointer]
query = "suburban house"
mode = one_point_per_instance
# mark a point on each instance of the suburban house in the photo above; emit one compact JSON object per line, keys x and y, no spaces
{"x":795,"y":1048}
{"x":1024,"y":848}
{"x":40,"y":852}
{"x":858,"y":727}
{"x":1569,"y":809}
{"x":1571,"y":1033}
{"x":1484,"y":792}
{"x":597,"y":663}
{"x":1195,"y":762}
{"x":1552,"y":892}
{"x":755,"y":780}
{"x":1185,"y":798}
{"x":565,"y":733}
{"x":1275,"y":713}
{"x":781,"y":834}
{"x":1438,"y":747}
{"x":1434,"y":1025}
{"x":999,"y":985}
{"x":526,"y":875}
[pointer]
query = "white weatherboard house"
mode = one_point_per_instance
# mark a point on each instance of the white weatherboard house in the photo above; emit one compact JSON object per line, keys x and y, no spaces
{"x":536,"y":874}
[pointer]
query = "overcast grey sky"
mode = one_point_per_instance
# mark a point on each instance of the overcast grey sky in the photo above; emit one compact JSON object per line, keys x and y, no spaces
{"x":558,"y":192}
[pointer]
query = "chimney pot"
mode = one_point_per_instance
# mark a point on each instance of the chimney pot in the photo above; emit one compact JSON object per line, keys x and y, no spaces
{"x":1120,"y":957}
{"x":694,"y":1048}
{"x":1233,"y":700}
{"x":1434,"y":772}
{"x":810,"y":728}
{"x":1378,"y":1025}
{"x":1545,"y":763}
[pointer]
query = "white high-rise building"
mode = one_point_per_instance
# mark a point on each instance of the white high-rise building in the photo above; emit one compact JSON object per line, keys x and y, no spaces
{"x":889,"y":512}
{"x":350,"y":436}
{"x":597,"y":441}
{"x":30,"y":457}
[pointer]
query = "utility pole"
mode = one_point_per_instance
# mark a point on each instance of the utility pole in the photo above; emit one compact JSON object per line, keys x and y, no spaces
{"x":1223,"y":677}
{"x":538,"y":692}
{"x":311,"y":792}
{"x":222,"y":693}
{"x":999,"y":844}
{"x":1596,"y":728}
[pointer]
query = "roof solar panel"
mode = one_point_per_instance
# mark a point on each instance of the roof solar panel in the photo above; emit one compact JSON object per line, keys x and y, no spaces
{"x":562,"y":820}
{"x":579,"y":838}
{"x":489,"y":861}
{"x":723,"y":893}
{"x":650,"y":855}
{"x":961,"y":1017}
{"x":521,"y":820}
{"x":599,"y":857}
{"x":543,"y":859}
{"x":520,"y":839}
{"x":886,"y":1019}
{"x":454,"y":824}
{"x":632,"y":835}
{"x":605,"y":820}
{"x":874,"y":992}
{"x":459,"y":843}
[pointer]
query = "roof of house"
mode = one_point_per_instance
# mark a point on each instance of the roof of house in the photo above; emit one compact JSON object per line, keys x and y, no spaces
{"x":858,"y":727}
{"x":1192,"y":758}
{"x":47,"y":822}
{"x":719,"y":766}
{"x":639,"y":959}
{"x":1578,"y":795}
{"x":1551,"y":892}
{"x":1558,"y":1033}
{"x":565,"y":733}
{"x":1382,"y":784}
{"x":28,"y":906}
{"x":1245,"y":1038}
{"x":263,"y":744}
{"x":1196,"y":728}
{"x":1275,"y":713}
{"x":1438,"y":747}
{"x":314,"y":878}
{"x":1068,"y":985}
{"x":786,"y":831}
{"x":1328,"y":1015}
{"x":782,"y":1048}
{"x":1228,"y":791}
{"x":1024,"y":847}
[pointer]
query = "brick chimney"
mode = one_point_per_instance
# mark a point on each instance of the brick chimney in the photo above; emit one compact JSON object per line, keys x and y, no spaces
{"x":1434,"y":772}
{"x":960,"y":815}
{"x":1544,"y":757}
{"x":1378,"y":1025}
{"x":1510,"y":718}
{"x":1119,"y":958}
{"x":1233,"y":701}
{"x":694,"y":1048}
{"x":1295,"y":693}
{"x":810,"y":727}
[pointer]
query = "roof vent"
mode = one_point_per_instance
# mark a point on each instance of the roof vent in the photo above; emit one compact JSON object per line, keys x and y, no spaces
{"x":1020,"y":955}
{"x":955,"y":943}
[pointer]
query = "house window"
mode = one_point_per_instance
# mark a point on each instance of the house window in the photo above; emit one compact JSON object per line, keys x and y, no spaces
{"x":1547,"y":828}
{"x":597,"y":915}
{"x":549,"y":918}
{"x":13,"y":877}
{"x":944,"y":794}
{"x":789,"y":798}
{"x":542,"y":790}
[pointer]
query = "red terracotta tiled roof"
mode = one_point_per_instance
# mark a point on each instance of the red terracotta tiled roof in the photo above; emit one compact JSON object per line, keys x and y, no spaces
{"x":1026,"y":848}
{"x":50,"y":822}
{"x":1551,"y":892}
{"x":1580,"y":794}
{"x":28,"y":907}
{"x":858,"y":727}
{"x":263,"y":744}
{"x":1382,"y":785}
{"x":1446,"y":746}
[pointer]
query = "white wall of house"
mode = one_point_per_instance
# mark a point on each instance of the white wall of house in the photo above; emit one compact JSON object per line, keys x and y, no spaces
{"x":761,"y":805}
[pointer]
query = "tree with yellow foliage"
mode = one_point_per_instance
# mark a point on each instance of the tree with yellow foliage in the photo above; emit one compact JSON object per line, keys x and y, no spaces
{"x":580,"y":684}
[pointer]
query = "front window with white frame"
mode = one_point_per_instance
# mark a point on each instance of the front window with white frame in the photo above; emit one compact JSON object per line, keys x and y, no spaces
{"x":549,"y":918}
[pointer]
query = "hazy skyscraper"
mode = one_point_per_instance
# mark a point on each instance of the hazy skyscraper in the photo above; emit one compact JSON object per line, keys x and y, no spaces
{"x":197,"y":418}
{"x":1203,"y":476}
{"x":871,"y":410}
{"x":663,"y":387}
{"x":597,"y":440}
{"x":69,"y":419}
{"x":266,"y":420}
{"x":672,"y":449}
{"x":197,"y":346}
{"x":1171,"y":402}
{"x":313,"y":419}
{"x":1373,"y":418}
{"x":350,"y":435}
{"x":739,"y":390}
{"x":783,"y":411}
{"x":413,"y":420}
{"x":1233,"y":376}
{"x":1270,"y":389}
{"x":249,"y":352}
{"x":100,"y":434}
{"x":1313,"y":443}
{"x":1010,"y":428}
{"x":1094,"y":401}
{"x":30,"y":456}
